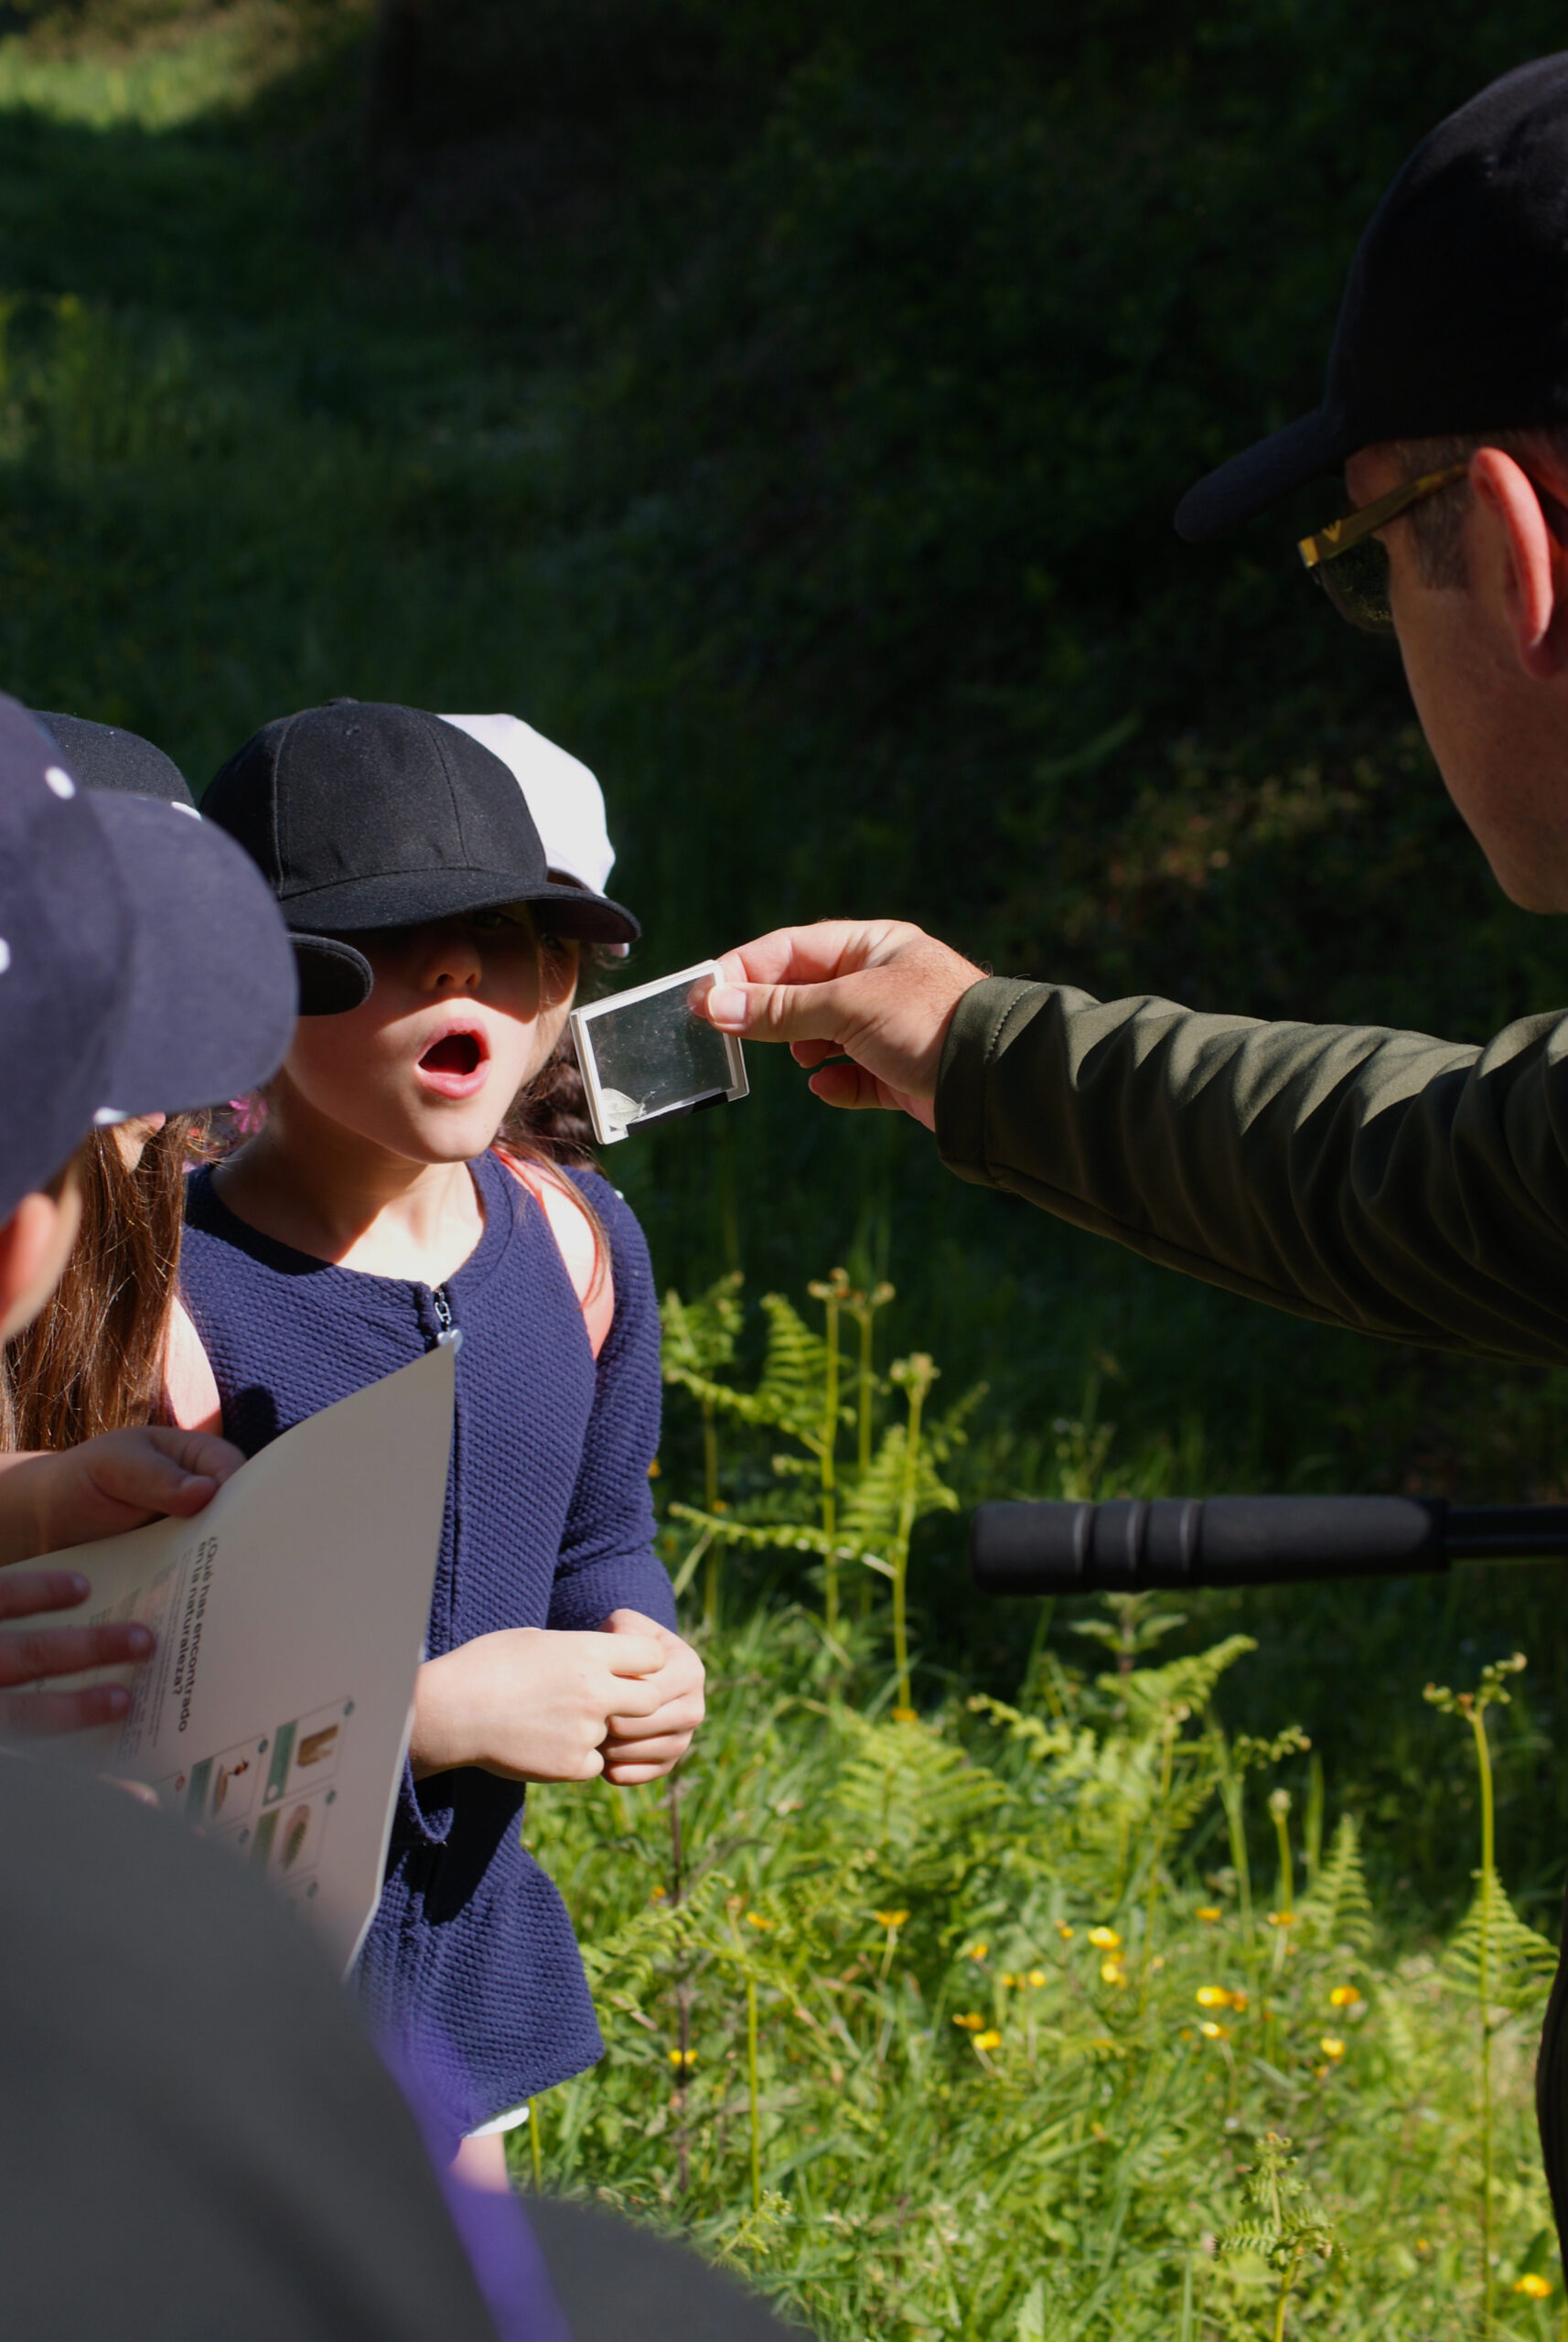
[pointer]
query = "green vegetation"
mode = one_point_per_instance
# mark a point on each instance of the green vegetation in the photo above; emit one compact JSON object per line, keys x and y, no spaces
{"x":784,"y":409}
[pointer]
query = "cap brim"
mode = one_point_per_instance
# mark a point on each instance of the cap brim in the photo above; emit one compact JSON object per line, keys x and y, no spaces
{"x":333,"y":976}
{"x":408,"y":897}
{"x":1254,"y":481}
{"x":210,"y":993}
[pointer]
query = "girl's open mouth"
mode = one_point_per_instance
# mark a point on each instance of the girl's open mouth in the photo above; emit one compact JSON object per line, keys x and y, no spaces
{"x":454,"y":1064}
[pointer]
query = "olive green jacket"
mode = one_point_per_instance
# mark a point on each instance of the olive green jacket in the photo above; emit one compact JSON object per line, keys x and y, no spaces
{"x":1375,"y":1179}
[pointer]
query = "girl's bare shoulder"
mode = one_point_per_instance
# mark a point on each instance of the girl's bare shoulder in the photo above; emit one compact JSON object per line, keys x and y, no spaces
{"x":579,"y":1239}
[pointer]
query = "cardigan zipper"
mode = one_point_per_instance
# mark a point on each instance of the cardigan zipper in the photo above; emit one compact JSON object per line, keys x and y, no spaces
{"x":448,"y":1333}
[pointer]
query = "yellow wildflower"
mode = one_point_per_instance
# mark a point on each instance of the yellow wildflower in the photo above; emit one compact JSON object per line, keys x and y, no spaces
{"x":1332,"y":2047}
{"x":1105,"y":1938}
{"x":1537,"y":2289}
{"x":1212,"y":2032}
{"x":657,"y":1895}
{"x":989,"y":2040}
{"x":1112,"y":1970}
{"x":755,"y":1919}
{"x":1006,"y":1978}
{"x":1282,"y":1918}
{"x":971,"y":2023}
{"x":977,"y":1952}
{"x":1037,"y":1977}
{"x":890,"y":1918}
{"x":1212,"y":1996}
{"x":1063,"y":1930}
{"x":1344,"y":1996}
{"x":683,"y":2060}
{"x":905,"y":1716}
{"x":1238,"y":2002}
{"x":1208,"y":1913}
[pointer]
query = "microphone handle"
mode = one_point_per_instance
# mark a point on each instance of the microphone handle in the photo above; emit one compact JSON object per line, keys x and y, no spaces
{"x":1129,"y":1543}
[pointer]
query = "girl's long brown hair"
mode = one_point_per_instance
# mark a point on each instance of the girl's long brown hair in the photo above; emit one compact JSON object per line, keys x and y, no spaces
{"x":92,"y":1361}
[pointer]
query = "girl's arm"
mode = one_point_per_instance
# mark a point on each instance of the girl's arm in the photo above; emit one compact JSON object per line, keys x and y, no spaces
{"x":609,"y":1575}
{"x":606,"y":1561}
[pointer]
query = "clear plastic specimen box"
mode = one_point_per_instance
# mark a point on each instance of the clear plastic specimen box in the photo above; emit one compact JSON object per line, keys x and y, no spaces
{"x":646,"y":1056}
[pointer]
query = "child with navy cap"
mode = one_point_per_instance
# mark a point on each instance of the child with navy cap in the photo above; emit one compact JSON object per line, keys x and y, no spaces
{"x":142,"y":970}
{"x":373,"y":1214}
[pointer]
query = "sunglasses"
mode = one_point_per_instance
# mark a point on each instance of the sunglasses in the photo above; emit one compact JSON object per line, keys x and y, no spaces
{"x":1352,"y":566}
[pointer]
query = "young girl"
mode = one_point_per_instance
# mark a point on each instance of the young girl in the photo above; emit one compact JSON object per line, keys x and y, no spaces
{"x":372,"y":1215}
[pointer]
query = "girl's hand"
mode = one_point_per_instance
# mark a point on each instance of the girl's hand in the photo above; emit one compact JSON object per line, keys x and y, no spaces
{"x":531,"y":1704}
{"x":106,"y":1486}
{"x":642,"y":1747}
{"x":42,"y":1651}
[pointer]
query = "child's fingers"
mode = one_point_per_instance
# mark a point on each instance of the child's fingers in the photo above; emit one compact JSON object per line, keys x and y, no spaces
{"x":31,"y":1654}
{"x":665,"y":1748}
{"x":683,"y":1713}
{"x":632,"y":1654}
{"x":30,"y":1716}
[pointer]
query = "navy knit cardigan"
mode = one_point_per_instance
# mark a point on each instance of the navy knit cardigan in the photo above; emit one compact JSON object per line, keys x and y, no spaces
{"x":470,"y":1969}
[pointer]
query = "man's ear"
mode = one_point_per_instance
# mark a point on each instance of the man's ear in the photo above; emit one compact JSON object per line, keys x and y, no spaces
{"x":1515,"y":540}
{"x":35,"y":1245}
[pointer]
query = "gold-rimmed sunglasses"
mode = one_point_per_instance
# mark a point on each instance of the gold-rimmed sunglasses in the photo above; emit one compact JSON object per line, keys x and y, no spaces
{"x":1350,"y":564}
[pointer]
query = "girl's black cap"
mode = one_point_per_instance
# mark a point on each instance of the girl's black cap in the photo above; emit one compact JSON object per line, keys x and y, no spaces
{"x":363,"y":815}
{"x":144,"y":968}
{"x":1454,"y":318}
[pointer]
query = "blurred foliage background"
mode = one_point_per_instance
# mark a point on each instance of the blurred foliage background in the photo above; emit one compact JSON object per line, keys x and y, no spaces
{"x":784,"y":408}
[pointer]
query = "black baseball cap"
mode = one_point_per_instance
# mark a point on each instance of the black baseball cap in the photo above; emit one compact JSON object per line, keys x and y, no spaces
{"x":1454,"y":318}
{"x":144,"y":968}
{"x":364,"y":815}
{"x":103,"y":756}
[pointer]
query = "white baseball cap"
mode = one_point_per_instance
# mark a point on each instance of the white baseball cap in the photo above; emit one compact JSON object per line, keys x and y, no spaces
{"x":566,"y":801}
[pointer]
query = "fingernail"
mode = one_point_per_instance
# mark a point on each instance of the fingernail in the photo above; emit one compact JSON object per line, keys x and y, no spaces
{"x":119,"y":1700}
{"x":141,"y":1642}
{"x":80,"y":1585}
{"x":726,"y":1007}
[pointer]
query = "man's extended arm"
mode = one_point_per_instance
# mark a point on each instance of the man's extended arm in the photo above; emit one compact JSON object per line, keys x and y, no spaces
{"x":1376,"y":1180}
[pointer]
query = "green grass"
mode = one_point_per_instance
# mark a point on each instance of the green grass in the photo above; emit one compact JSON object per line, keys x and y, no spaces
{"x":977,"y":2117}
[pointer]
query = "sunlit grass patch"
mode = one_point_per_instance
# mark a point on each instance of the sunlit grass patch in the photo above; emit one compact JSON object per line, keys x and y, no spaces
{"x":158,"y":66}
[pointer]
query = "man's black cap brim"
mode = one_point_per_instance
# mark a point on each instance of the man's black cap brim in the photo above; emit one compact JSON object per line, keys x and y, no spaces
{"x":209,"y":992}
{"x":1259,"y":477}
{"x":409,"y":897}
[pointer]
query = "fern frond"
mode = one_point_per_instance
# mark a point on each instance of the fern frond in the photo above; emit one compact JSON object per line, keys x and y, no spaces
{"x":870,"y":1511}
{"x":1151,"y":1693}
{"x":1520,"y":1964}
{"x":1338,"y":1909}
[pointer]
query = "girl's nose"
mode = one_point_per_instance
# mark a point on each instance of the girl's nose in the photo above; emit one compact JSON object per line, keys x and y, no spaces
{"x":451,"y":961}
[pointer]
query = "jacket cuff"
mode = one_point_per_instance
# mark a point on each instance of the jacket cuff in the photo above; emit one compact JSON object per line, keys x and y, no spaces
{"x":982,"y":1026}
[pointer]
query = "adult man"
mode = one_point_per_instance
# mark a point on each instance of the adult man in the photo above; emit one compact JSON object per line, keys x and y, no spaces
{"x":1375,"y":1179}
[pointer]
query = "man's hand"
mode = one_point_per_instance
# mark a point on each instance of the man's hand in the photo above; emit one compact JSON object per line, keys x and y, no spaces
{"x":532,"y":1704}
{"x":41,"y":1651}
{"x":643,"y":1746}
{"x":106,"y":1486}
{"x":877,"y":992}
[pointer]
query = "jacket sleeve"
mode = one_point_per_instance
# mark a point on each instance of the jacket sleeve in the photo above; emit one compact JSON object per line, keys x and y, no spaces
{"x":1375,"y":1179}
{"x":606,"y":1560}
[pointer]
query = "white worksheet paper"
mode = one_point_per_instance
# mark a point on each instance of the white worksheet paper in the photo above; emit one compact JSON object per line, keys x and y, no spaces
{"x":290,"y":1618}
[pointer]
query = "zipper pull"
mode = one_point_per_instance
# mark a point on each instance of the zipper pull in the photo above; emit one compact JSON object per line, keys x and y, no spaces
{"x":450,"y":1334}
